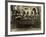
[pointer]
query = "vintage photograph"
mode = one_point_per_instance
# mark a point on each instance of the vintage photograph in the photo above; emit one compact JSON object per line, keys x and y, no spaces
{"x":25,"y":18}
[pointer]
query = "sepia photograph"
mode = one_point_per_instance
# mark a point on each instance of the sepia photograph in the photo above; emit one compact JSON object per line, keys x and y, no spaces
{"x":25,"y":18}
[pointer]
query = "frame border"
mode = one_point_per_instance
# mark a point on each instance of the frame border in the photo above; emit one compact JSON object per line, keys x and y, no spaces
{"x":6,"y":18}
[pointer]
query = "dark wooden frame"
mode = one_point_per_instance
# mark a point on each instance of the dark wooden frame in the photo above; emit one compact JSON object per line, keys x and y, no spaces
{"x":6,"y":18}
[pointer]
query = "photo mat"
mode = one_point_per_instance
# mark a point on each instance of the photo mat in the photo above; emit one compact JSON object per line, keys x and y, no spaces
{"x":24,"y":18}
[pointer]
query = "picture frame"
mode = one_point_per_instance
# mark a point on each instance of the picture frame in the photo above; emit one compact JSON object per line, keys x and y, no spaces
{"x":22,"y":27}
